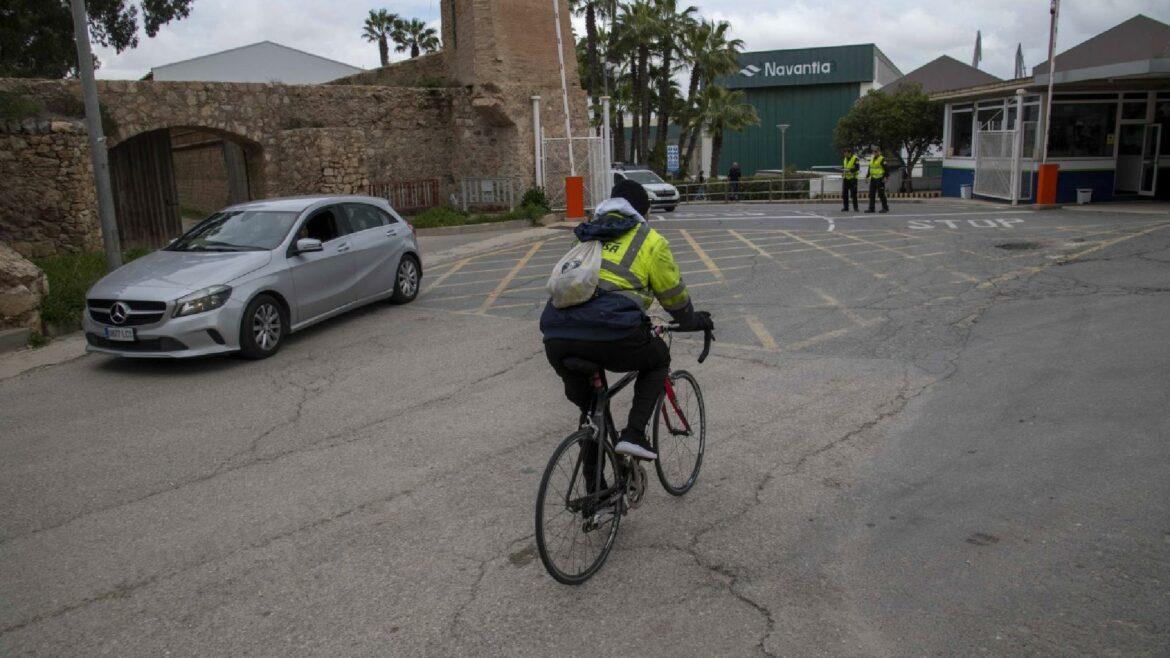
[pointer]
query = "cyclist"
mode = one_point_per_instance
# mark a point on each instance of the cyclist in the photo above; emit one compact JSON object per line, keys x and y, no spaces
{"x":612,"y":329}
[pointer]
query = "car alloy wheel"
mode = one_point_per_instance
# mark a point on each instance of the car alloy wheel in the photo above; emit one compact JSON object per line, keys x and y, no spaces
{"x":406,"y":282}
{"x":266,"y":326}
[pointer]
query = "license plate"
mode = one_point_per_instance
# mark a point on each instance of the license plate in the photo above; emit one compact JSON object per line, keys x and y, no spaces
{"x":120,"y":333}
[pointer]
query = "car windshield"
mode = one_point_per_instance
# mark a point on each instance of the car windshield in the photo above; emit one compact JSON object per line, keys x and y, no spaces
{"x":237,"y":230}
{"x":644,"y":177}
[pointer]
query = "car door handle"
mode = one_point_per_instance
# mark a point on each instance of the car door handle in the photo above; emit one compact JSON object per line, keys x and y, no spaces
{"x":391,"y":231}
{"x":344,"y":246}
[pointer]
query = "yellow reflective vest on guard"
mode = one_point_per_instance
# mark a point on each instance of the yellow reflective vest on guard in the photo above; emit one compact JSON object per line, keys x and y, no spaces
{"x":851,"y":167}
{"x":638,"y":264}
{"x":877,"y":167}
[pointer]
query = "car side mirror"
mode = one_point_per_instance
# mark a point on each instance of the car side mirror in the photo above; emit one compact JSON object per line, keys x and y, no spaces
{"x":305,"y":245}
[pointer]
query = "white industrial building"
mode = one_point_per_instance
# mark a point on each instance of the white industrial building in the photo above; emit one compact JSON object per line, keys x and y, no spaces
{"x":259,"y":62}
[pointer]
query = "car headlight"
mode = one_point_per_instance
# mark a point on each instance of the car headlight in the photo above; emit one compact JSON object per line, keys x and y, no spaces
{"x":202,"y":301}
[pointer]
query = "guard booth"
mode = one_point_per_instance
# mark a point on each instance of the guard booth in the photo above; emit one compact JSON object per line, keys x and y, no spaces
{"x":1109,"y":129}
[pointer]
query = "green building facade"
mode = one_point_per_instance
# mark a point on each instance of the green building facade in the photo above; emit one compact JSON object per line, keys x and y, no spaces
{"x":807,"y":88}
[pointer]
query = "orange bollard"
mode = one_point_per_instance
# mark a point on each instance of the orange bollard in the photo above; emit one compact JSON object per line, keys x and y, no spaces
{"x":574,"y":198}
{"x":1046,"y":185}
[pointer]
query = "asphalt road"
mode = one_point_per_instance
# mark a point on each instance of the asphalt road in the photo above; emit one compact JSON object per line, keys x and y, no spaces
{"x":940,"y":431}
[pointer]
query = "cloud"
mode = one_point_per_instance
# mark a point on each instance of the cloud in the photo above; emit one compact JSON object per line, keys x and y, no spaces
{"x":910,"y":32}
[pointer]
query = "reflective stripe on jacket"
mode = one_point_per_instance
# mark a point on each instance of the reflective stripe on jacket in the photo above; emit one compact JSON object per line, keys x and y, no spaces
{"x":851,"y":167}
{"x":877,"y":167}
{"x":639,"y":264}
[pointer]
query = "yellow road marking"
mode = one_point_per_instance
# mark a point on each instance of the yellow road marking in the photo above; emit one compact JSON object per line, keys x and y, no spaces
{"x":439,"y":281}
{"x":758,"y":248}
{"x":758,"y":329}
{"x":835,"y":303}
{"x":1067,"y":259}
{"x":703,"y":255}
{"x":503,"y":285}
{"x":846,"y":259}
{"x":878,"y":245}
{"x":809,"y":342}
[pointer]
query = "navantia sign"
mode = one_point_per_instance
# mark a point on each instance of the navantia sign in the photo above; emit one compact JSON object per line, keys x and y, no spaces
{"x":805,"y":66}
{"x":774,"y":69}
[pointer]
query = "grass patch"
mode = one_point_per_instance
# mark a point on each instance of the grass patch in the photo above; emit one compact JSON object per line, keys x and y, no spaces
{"x":70,"y":277}
{"x":450,"y":216}
{"x":15,"y":108}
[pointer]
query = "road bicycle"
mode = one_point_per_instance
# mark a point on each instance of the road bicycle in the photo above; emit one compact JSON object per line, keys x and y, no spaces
{"x":577,"y":511}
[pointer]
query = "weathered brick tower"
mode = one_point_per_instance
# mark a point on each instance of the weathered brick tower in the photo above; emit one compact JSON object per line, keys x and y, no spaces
{"x":504,"y":52}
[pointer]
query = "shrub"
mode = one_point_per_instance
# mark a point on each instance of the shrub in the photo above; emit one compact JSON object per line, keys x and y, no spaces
{"x":535,"y":196}
{"x":70,"y":276}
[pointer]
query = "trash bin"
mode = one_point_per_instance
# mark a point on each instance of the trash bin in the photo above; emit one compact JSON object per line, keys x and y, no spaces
{"x":964,"y":191}
{"x":1084,"y":195}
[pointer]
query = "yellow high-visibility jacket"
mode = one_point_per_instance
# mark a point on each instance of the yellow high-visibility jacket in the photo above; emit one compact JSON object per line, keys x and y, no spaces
{"x":637,"y":267}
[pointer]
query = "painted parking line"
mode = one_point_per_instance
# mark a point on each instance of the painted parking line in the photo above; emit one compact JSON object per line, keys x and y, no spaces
{"x":711,"y":266}
{"x":491,"y":298}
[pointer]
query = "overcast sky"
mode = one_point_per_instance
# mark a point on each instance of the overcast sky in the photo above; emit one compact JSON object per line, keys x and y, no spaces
{"x":910,"y":32}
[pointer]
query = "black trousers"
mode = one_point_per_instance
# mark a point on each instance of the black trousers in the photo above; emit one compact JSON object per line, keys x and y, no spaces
{"x":877,"y":186}
{"x":641,"y":351}
{"x":848,"y":191}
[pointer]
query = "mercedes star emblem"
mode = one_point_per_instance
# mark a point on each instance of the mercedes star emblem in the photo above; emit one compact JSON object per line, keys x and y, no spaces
{"x":119,"y":313}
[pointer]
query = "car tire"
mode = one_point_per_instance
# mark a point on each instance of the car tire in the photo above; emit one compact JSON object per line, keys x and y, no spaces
{"x":669,"y":208}
{"x":407,"y":279}
{"x":263,"y":328}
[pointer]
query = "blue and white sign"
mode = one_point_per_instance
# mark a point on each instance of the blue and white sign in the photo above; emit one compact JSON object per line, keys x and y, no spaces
{"x":672,"y":158}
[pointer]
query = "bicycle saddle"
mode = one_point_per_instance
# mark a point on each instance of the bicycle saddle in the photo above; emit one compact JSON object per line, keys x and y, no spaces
{"x":581,"y":365}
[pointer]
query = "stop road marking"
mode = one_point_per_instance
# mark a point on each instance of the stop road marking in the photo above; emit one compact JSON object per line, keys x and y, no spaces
{"x":958,"y":223}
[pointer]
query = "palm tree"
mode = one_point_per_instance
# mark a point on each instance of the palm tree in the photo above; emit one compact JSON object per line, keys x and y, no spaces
{"x":638,"y":26}
{"x":724,"y":110}
{"x":671,"y":24}
{"x":592,"y":10}
{"x":379,"y":26}
{"x":711,"y":55}
{"x":415,"y":36}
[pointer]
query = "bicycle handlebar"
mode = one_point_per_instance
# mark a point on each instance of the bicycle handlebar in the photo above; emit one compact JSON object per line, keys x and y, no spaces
{"x":708,"y":338}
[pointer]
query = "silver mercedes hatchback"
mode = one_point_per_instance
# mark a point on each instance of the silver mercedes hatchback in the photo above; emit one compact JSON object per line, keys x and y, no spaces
{"x":249,"y":275}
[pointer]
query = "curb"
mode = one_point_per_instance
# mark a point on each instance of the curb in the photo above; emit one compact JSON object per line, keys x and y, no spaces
{"x":66,"y":348}
{"x":486,"y":227}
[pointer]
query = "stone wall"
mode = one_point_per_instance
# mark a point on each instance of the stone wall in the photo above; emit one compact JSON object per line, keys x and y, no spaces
{"x":422,"y":71}
{"x":22,"y":287}
{"x":47,"y":203}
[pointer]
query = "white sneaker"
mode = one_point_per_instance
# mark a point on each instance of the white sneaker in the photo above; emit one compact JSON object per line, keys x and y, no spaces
{"x":634,"y":450}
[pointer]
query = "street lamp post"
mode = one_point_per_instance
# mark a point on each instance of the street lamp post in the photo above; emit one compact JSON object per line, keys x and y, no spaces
{"x":783,"y":158}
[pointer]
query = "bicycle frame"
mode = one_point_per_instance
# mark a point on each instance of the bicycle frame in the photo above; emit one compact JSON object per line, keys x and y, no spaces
{"x":602,"y":420}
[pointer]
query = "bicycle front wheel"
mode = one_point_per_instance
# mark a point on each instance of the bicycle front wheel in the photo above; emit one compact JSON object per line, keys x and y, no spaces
{"x":574,"y":533}
{"x":680,"y":433}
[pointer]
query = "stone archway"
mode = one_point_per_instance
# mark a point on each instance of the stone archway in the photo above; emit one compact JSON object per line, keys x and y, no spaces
{"x":166,"y":179}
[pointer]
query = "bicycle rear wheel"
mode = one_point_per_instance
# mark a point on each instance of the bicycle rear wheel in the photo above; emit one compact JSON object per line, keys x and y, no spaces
{"x":680,"y":433}
{"x":573,"y":534}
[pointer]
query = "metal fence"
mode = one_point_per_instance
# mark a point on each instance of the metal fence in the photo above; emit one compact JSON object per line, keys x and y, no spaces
{"x":590,"y":160}
{"x":488,"y":192}
{"x":408,"y":196}
{"x":994,"y":163}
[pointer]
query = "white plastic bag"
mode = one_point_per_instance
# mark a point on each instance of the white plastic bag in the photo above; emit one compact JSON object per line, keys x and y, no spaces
{"x":574,"y":277}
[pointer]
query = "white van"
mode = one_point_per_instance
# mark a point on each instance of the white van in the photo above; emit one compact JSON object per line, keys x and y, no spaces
{"x":662,"y":195}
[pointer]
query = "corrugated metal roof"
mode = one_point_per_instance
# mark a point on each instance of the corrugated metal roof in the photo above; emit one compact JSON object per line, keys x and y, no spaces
{"x":1139,"y":38}
{"x":944,"y":74}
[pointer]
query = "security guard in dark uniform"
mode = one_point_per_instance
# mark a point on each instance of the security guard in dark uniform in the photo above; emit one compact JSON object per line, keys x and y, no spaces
{"x":877,"y":176}
{"x":851,"y":169}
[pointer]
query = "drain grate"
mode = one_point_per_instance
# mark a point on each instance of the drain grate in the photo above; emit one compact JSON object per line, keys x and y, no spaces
{"x":1018,"y":246}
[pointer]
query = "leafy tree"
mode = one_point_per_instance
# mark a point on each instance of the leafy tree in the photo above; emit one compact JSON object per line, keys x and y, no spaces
{"x":36,"y":36}
{"x":379,"y":26}
{"x":906,"y":124}
{"x":414,"y":35}
{"x":723,"y":110}
{"x":672,"y":23}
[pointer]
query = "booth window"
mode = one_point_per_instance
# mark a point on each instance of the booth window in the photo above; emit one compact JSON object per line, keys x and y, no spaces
{"x":1082,"y":130}
{"x":962,"y":133}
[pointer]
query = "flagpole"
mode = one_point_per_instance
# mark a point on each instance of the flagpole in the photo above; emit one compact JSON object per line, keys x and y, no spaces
{"x":1054,"y":10}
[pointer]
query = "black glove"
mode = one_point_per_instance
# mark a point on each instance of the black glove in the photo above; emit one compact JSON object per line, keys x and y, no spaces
{"x":700,"y":321}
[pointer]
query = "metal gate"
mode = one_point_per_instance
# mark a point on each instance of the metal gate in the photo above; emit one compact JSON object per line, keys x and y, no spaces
{"x":994,"y":163}
{"x":999,"y":157}
{"x":591,"y":161}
